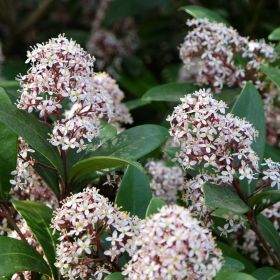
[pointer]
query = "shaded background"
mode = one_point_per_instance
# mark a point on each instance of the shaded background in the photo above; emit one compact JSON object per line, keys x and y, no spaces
{"x":147,"y":32}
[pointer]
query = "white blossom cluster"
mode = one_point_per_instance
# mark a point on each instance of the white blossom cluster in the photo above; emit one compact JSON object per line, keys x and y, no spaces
{"x":166,"y":181}
{"x":213,"y":140}
{"x":62,"y":72}
{"x":173,"y":245}
{"x":27,"y":184}
{"x":111,"y":46}
{"x":213,"y":49}
{"x":271,"y":173}
{"x":86,"y":221}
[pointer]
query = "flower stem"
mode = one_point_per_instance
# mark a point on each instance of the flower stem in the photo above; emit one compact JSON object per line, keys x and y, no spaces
{"x":251,"y":216}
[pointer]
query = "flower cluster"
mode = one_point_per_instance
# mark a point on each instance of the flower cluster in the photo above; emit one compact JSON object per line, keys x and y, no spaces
{"x":211,"y":139}
{"x":173,"y":245}
{"x":271,"y":173}
{"x":213,"y":49}
{"x":194,"y":198}
{"x":27,"y":184}
{"x":86,"y":222}
{"x":111,"y":46}
{"x":166,"y":181}
{"x":61,"y":72}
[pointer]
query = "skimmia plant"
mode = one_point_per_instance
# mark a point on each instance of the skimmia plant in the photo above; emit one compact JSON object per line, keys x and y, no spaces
{"x":84,"y":194}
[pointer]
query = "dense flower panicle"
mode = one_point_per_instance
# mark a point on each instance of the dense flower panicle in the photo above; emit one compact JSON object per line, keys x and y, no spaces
{"x":104,"y":83}
{"x":173,"y":245}
{"x":210,"y":138}
{"x":271,"y":173}
{"x":82,"y":221}
{"x":213,"y":48}
{"x":166,"y":181}
{"x":61,"y":70}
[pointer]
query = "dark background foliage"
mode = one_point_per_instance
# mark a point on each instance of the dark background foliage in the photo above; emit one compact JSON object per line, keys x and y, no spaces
{"x":159,"y":24}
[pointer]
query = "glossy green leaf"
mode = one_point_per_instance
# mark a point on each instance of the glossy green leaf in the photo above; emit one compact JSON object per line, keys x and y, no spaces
{"x":38,"y":218}
{"x":35,"y":133}
{"x":132,"y":143}
{"x":274,"y":35}
{"x":92,"y":164}
{"x":18,"y":256}
{"x":268,"y":231}
{"x":272,"y":73}
{"x":154,"y":206}
{"x":229,"y":251}
{"x":266,"y":273}
{"x":134,"y":193}
{"x":249,"y":105}
{"x":8,"y":152}
{"x":115,"y":276}
{"x":171,"y":92}
{"x":221,"y":197}
{"x":234,"y":276}
{"x":201,"y":12}
{"x":231,"y":265}
{"x":262,"y":200}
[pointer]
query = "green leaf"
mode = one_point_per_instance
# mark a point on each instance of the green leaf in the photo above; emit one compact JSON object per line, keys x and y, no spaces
{"x":262,"y":200}
{"x":134,"y":193}
{"x":8,"y":152}
{"x":222,"y":197}
{"x":234,"y":276}
{"x":272,"y":73}
{"x":274,"y":35}
{"x":18,"y":256}
{"x":171,"y":92}
{"x":38,"y":218}
{"x":201,"y":12}
{"x":249,"y":105}
{"x":89,"y":165}
{"x":266,"y":273}
{"x":154,"y":206}
{"x":33,"y":132}
{"x":11,"y":87}
{"x":269,"y":232}
{"x":115,"y":276}
{"x":136,"y":103}
{"x":133,"y":143}
{"x":231,"y":252}
{"x":231,"y":265}
{"x":272,"y":152}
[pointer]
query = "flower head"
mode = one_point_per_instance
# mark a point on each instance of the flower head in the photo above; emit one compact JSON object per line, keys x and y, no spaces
{"x":210,"y":138}
{"x":212,"y":49}
{"x":83,"y":221}
{"x":173,"y":245}
{"x":166,"y":181}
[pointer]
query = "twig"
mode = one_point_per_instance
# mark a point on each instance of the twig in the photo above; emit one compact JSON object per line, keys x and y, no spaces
{"x":11,"y":221}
